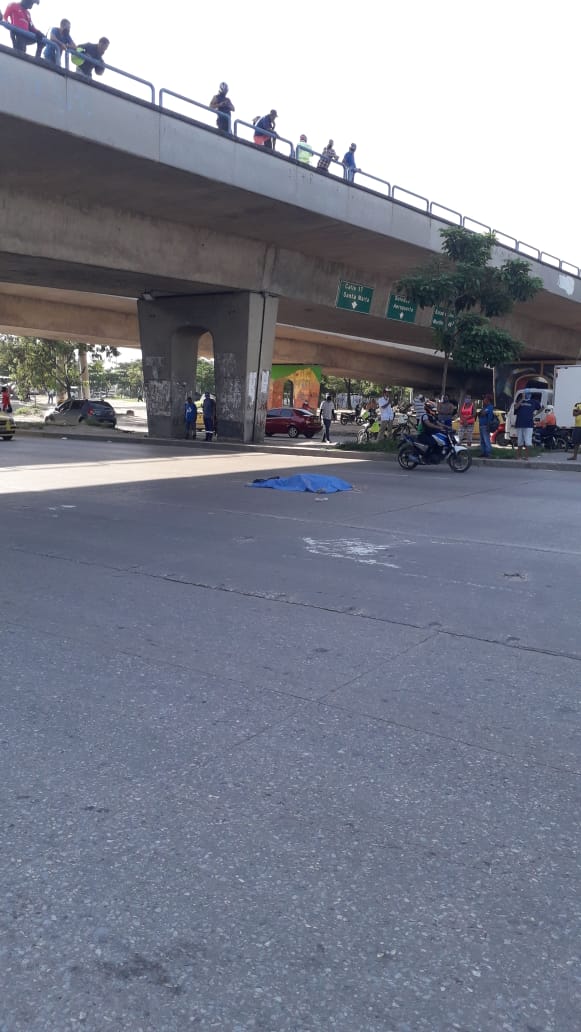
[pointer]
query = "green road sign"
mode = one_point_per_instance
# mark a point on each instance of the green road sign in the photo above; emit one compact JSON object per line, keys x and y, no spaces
{"x":438,"y":319}
{"x":398,"y":307}
{"x":355,"y":297}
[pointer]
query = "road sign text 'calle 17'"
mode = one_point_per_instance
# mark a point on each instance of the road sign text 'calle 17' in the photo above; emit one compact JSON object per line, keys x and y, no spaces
{"x":355,"y":297}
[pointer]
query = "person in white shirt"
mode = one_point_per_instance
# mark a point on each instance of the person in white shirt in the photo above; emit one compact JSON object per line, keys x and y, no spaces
{"x":385,"y":415}
{"x":327,"y":416}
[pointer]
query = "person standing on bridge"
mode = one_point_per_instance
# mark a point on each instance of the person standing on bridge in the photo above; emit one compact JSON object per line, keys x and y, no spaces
{"x":224,"y":106}
{"x":304,"y":151}
{"x":18,"y":15}
{"x":96,"y":52}
{"x":59,"y":40}
{"x":349,"y":163}
{"x":327,"y":157}
{"x":267,"y":125}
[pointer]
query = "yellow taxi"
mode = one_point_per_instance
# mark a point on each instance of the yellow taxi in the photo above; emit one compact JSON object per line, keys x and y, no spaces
{"x":7,"y":427}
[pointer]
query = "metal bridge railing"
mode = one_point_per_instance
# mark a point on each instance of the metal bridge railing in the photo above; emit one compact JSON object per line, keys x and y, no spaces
{"x":357,"y":177}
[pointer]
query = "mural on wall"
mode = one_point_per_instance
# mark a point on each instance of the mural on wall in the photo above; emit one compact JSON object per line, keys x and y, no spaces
{"x":294,"y":385}
{"x":508,"y":379}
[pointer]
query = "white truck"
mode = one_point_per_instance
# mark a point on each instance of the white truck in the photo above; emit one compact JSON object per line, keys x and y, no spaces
{"x":566,"y":393}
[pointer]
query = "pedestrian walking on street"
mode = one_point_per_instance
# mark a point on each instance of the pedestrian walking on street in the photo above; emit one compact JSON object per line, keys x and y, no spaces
{"x":385,"y":414}
{"x":59,"y":40}
{"x":223,"y":105}
{"x":349,"y":163}
{"x":190,"y":415}
{"x":209,"y":414}
{"x":304,"y":151}
{"x":267,"y":125}
{"x":327,"y":411}
{"x":327,"y":157}
{"x":467,"y":420}
{"x":524,"y":411}
{"x":6,"y":404}
{"x":18,"y":15}
{"x":485,"y":417}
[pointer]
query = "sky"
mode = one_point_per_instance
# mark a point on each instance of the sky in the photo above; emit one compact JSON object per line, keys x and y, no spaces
{"x":471,"y":105}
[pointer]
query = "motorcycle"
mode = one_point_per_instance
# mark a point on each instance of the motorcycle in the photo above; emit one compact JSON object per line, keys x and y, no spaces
{"x":369,"y":429}
{"x":351,"y":417}
{"x":551,"y":438}
{"x":414,"y":452}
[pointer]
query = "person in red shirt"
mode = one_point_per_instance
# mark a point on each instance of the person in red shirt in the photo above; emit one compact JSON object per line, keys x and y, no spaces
{"x":18,"y":14}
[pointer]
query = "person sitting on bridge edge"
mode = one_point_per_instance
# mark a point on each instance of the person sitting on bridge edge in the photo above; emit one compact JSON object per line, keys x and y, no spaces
{"x":304,"y":151}
{"x":18,"y":15}
{"x":190,"y":415}
{"x":209,"y":414}
{"x":94,"y":51}
{"x":59,"y":40}
{"x":349,"y":163}
{"x":223,"y":105}
{"x":327,"y":157}
{"x":266,"y":123}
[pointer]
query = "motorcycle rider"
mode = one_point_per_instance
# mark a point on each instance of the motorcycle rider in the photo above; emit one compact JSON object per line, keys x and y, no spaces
{"x":430,"y":425}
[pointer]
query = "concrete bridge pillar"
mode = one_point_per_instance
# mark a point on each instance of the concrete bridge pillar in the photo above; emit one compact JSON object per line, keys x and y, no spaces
{"x":242,"y":326}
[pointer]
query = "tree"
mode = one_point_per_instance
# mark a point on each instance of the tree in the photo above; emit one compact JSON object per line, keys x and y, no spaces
{"x":128,"y":377}
{"x":205,"y":376}
{"x":470,"y":292}
{"x":37,"y":364}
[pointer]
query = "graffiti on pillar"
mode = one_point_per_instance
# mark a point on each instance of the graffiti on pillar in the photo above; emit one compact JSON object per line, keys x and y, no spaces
{"x":251,"y":393}
{"x":158,"y":397}
{"x":228,"y":386}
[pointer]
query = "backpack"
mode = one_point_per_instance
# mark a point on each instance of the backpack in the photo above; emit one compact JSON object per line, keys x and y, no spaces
{"x":78,"y":56}
{"x":493,"y":423}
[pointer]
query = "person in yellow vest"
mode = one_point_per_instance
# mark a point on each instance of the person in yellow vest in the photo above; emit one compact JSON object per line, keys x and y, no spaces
{"x":304,"y":151}
{"x":576,"y":431}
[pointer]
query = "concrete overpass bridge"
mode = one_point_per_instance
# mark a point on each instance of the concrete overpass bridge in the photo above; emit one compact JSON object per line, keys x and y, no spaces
{"x":203,"y":233}
{"x":102,"y":319}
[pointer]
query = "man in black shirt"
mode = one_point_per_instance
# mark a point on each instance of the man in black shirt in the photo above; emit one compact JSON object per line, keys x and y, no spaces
{"x":95,"y":51}
{"x":224,"y":106}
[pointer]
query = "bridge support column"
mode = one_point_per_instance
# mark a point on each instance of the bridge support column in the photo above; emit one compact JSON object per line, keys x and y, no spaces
{"x":242,"y":326}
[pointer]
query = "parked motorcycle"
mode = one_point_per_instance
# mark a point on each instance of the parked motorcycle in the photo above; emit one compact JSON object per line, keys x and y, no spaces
{"x":414,"y":453}
{"x":351,"y":417}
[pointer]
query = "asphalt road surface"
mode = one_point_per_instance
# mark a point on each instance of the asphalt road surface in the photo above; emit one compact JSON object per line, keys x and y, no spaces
{"x":286,"y":762}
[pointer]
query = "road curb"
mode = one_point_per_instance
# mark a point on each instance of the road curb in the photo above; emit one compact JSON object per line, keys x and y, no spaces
{"x":128,"y":437}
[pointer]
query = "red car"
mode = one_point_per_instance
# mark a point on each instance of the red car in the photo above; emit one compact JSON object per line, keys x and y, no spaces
{"x":292,"y":421}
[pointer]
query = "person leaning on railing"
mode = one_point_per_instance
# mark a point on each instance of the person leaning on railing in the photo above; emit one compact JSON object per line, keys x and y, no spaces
{"x":94,"y":51}
{"x":327,"y":157}
{"x":18,"y":15}
{"x":59,"y":40}
{"x":262,"y":139}
{"x":223,"y":105}
{"x":349,"y":163}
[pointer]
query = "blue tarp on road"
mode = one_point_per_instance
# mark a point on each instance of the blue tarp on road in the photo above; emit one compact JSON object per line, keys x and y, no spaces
{"x":312,"y":482}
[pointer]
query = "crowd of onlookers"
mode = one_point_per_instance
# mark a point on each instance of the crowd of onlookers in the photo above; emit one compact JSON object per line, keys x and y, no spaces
{"x":87,"y":57}
{"x":265,"y":135}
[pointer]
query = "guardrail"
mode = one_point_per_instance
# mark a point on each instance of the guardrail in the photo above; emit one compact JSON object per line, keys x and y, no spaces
{"x":397,"y":194}
{"x":265,"y":132}
{"x":194,"y":103}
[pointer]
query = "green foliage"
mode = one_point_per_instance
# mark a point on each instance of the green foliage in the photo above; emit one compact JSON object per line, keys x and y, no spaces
{"x":471,"y":292}
{"x":128,"y":378}
{"x":36,"y":364}
{"x":205,"y":376}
